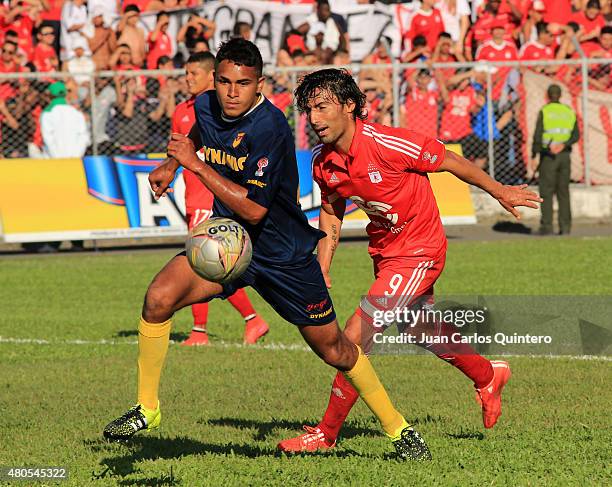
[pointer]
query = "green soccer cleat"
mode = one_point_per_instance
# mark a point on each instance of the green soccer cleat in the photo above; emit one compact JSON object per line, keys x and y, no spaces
{"x":135,"y":419}
{"x":411,"y":446}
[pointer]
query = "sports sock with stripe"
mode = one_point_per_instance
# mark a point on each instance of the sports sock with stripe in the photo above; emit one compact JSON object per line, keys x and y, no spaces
{"x":200,"y":314}
{"x":242,"y":303}
{"x":460,"y":355}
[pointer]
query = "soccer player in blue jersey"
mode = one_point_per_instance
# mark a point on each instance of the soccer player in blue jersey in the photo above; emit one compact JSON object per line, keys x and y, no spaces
{"x":251,"y":169}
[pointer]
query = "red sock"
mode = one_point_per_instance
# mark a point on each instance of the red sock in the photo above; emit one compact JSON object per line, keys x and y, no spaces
{"x":462,"y":356}
{"x":200,"y":314}
{"x":242,"y":303}
{"x":341,"y":400}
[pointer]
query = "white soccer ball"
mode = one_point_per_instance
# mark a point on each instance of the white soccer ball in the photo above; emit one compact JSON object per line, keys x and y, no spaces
{"x":219,"y":250}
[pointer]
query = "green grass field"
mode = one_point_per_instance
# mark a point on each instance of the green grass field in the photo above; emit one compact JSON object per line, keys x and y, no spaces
{"x":67,"y":367}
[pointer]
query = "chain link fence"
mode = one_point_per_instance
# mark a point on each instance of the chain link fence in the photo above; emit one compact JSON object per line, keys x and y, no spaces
{"x":487,"y":110}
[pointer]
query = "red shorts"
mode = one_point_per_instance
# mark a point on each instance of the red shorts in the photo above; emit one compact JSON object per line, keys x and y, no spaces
{"x":400,"y":285}
{"x":198,"y":200}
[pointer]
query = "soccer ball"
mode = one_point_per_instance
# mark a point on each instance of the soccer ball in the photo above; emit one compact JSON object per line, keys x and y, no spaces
{"x":219,"y":250}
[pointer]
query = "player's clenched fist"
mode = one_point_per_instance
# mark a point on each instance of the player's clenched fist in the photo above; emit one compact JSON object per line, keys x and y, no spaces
{"x":161,"y":178}
{"x":183,"y":150}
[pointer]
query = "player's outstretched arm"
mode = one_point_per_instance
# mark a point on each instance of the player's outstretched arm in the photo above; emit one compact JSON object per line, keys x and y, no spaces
{"x":330,"y":221}
{"x":510,"y":197}
{"x":234,"y":196}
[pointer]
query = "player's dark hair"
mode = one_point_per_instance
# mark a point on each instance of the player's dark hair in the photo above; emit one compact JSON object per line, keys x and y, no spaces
{"x":338,"y":83}
{"x":444,"y":35}
{"x":206,"y":59}
{"x":161,"y":14}
{"x":131,"y":8}
{"x":541,"y":27}
{"x":593,"y":4}
{"x":241,"y":52}
{"x":574,"y":26}
{"x":606,"y":30}
{"x":10,"y":43}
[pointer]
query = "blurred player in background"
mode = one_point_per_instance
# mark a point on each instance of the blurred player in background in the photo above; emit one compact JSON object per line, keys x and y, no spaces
{"x":383,"y":170}
{"x":200,"y":69}
{"x":250,"y":167}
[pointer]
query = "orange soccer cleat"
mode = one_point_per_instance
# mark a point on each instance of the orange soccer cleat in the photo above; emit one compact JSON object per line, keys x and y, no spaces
{"x":489,"y":397}
{"x":254,"y":329}
{"x":313,"y":440}
{"x":197,"y":338}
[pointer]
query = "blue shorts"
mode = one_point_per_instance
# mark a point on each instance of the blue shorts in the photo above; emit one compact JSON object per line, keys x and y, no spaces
{"x":297,"y":292}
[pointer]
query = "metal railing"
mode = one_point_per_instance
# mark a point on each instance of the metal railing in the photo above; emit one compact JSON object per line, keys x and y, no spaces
{"x":491,"y":115}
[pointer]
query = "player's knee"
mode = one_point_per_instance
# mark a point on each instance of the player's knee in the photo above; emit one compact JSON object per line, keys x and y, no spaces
{"x":338,"y":355}
{"x":158,"y":304}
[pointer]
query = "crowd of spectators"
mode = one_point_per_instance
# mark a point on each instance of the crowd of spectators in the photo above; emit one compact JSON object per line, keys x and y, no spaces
{"x":79,"y":36}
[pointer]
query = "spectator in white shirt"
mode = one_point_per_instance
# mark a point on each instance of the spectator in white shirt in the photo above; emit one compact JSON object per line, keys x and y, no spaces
{"x":74,"y":20}
{"x":63,"y":127}
{"x":456,"y":17}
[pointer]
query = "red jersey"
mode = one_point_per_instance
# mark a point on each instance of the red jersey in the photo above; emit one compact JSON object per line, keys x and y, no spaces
{"x":422,"y":112}
{"x":43,"y":57}
{"x":558,"y":11}
{"x":198,"y":199}
{"x":589,"y":25}
{"x":54,"y":12}
{"x":24,"y":27}
{"x":534,"y":51}
{"x":7,"y":90}
{"x":161,"y":47}
{"x":481,"y":30}
{"x":141,"y":4}
{"x":490,"y":51}
{"x":384,"y":174}
{"x":428,"y":24}
{"x":595,"y":50}
{"x":456,"y":117}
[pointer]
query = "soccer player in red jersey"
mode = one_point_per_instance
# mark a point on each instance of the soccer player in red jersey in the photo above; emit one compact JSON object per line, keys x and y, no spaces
{"x":384,"y":171}
{"x":199,"y":201}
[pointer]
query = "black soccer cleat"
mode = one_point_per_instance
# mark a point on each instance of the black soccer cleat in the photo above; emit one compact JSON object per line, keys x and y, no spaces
{"x":135,"y":419}
{"x":411,"y":446}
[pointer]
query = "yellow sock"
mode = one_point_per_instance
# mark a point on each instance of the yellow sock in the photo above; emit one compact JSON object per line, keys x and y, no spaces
{"x":365,"y":381}
{"x":153,"y":340}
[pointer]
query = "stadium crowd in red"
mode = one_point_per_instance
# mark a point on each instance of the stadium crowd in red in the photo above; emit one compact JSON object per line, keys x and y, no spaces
{"x":87,"y":36}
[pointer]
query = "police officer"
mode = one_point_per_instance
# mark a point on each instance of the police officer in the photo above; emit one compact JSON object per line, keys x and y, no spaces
{"x":556,"y":130}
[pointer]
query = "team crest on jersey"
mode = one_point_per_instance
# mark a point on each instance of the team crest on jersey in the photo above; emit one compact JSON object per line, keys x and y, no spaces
{"x":375,"y":177}
{"x":333,"y":178}
{"x":261,"y":163}
{"x":428,"y":157}
{"x":238,"y":139}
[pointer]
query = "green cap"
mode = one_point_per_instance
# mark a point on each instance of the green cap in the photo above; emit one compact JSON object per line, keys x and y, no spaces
{"x":57,"y":89}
